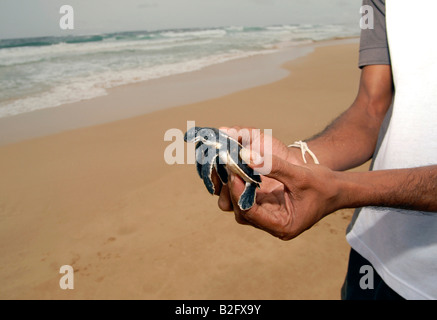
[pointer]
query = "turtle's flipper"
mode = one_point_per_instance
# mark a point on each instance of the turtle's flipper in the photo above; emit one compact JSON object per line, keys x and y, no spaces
{"x":221,"y":171}
{"x":206,"y":171}
{"x":199,"y":158}
{"x":205,"y":160}
{"x":247,"y":198}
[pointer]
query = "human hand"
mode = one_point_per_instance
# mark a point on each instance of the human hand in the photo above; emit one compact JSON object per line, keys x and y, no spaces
{"x":291,"y":199}
{"x":260,"y":144}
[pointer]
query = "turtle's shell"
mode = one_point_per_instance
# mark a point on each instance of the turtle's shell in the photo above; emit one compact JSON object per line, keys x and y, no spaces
{"x":227,"y":148}
{"x":215,"y":148}
{"x":237,"y":165}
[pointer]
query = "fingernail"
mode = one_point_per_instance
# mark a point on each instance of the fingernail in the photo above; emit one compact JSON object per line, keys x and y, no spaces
{"x":245,"y":155}
{"x":256,"y":158}
{"x":250,"y":157}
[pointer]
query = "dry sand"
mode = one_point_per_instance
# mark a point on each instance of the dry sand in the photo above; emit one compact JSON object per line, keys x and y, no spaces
{"x":102,"y":200}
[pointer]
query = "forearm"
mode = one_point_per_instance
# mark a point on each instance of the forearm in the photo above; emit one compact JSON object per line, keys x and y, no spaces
{"x":413,"y":188}
{"x":351,"y":139}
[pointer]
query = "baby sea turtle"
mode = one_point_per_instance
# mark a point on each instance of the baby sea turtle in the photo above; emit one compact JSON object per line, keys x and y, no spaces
{"x":215,"y":148}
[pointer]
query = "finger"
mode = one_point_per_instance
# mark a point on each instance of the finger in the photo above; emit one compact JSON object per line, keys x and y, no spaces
{"x":224,"y":201}
{"x":241,"y":219}
{"x":274,"y":167}
{"x":255,"y":216}
{"x":251,"y":138}
{"x":231,"y":131}
{"x":250,"y":156}
{"x":241,"y":134}
{"x":224,"y":129}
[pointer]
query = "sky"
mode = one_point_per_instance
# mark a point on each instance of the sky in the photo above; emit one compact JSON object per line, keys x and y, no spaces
{"x":34,"y":18}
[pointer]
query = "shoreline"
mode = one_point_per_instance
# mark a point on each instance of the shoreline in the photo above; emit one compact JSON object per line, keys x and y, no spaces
{"x":208,"y":83}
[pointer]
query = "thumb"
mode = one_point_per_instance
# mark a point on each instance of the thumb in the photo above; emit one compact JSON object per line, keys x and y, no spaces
{"x":277,"y":168}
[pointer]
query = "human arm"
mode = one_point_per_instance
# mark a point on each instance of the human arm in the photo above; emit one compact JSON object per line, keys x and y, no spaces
{"x":350,"y":140}
{"x":293,"y":198}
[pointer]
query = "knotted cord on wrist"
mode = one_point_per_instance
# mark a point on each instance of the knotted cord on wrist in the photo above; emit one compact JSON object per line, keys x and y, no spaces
{"x":304,"y":149}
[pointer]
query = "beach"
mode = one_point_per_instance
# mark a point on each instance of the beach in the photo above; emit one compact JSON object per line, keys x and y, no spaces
{"x":86,"y":185}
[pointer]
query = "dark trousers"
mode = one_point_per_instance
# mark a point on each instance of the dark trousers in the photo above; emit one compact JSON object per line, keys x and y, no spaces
{"x":363,"y":282}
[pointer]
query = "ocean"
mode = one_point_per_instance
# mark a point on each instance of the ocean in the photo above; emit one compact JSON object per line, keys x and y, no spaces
{"x":46,"y":72}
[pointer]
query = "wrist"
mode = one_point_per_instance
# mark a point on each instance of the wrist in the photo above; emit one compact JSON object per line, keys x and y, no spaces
{"x":294,"y":156}
{"x":353,"y":190}
{"x":299,"y":156}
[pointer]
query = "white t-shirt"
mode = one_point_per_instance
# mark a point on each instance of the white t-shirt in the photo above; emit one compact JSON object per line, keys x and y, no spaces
{"x":402,"y":244}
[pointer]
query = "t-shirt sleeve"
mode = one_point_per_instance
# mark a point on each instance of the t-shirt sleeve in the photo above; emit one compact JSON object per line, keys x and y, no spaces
{"x":373,"y":42}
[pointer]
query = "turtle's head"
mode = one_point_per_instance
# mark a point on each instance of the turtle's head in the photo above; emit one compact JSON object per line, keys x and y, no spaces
{"x":208,"y":136}
{"x":192,"y":135}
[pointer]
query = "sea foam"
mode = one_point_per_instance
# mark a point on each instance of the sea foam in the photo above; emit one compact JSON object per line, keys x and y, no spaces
{"x":48,"y":72}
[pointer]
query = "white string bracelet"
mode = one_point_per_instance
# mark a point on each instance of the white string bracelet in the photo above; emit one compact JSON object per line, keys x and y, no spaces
{"x":304,"y":149}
